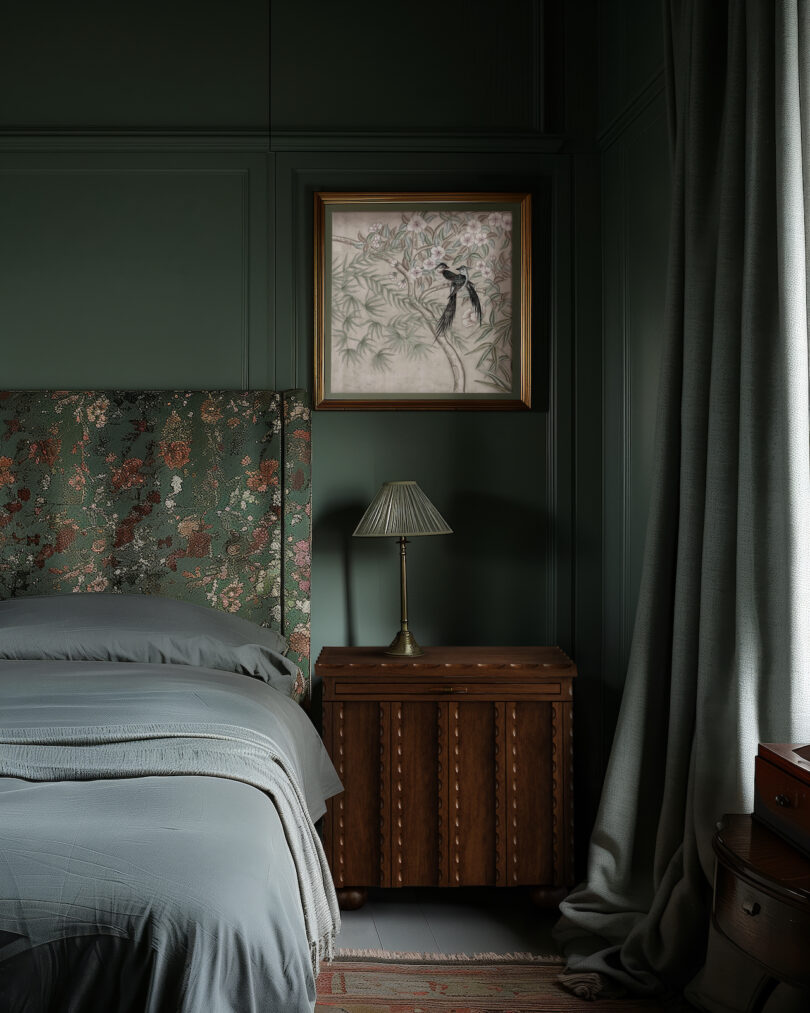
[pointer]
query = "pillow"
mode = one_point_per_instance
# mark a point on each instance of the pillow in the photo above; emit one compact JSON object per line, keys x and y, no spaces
{"x":142,"y":628}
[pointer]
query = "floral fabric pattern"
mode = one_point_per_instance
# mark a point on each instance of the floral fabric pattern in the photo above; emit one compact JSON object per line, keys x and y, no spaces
{"x":202,"y":496}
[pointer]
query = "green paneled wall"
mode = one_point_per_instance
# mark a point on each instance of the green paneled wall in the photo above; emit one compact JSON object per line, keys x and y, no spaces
{"x":483,"y":583}
{"x":496,"y":580}
{"x":97,"y":65}
{"x":182,"y":256}
{"x":132,"y":270}
{"x":631,"y":49}
{"x":424,"y":67}
{"x":635,"y":187}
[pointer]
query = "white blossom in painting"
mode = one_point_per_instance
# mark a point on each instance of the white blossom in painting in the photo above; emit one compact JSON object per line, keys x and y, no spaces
{"x":421,"y":302}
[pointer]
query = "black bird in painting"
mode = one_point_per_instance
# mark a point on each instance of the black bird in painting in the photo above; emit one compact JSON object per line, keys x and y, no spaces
{"x":458,"y":281}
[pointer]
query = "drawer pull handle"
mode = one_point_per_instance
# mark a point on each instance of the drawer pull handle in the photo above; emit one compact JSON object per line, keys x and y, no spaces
{"x":751,"y":908}
{"x":783,"y":801}
{"x":454,"y":689}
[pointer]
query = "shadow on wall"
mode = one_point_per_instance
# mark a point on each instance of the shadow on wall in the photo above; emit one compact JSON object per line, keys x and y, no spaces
{"x":484,"y":584}
{"x":333,"y":536}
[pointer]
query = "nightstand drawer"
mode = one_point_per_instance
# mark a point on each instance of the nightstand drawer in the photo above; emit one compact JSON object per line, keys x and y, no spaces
{"x":774,"y":930}
{"x":358,"y":689}
{"x":762,"y":897}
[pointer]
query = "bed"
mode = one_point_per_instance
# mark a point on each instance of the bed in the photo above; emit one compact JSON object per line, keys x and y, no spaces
{"x":159,"y":778}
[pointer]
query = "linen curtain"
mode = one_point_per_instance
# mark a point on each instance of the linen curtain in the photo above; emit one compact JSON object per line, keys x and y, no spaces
{"x":720,"y":658}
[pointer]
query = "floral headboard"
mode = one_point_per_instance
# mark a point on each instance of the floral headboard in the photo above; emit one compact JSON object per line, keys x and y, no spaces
{"x":202,"y":496}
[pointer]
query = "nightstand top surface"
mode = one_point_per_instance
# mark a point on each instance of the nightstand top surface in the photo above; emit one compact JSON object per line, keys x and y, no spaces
{"x":538,"y":661}
{"x":754,"y":850}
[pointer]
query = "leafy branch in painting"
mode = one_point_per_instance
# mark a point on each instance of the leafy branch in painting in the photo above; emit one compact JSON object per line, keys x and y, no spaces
{"x":434,"y":286}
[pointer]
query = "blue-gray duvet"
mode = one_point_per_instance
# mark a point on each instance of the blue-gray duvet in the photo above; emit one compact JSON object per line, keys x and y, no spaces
{"x":157,"y":848}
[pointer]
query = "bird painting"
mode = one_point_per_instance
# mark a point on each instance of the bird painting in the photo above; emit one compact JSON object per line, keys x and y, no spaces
{"x":459,"y":281}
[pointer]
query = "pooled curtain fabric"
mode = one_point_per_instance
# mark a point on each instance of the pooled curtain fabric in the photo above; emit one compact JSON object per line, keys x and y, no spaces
{"x":720,"y":658}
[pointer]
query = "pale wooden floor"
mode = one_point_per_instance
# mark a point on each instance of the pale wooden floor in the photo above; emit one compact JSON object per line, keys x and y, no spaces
{"x":449,"y":921}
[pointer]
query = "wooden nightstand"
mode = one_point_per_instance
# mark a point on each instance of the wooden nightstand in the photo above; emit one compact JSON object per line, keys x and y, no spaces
{"x":762,"y":902}
{"x":456,"y":766}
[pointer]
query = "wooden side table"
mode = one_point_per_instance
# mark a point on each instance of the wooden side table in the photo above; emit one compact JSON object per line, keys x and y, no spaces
{"x":762,"y":902}
{"x":456,"y":767}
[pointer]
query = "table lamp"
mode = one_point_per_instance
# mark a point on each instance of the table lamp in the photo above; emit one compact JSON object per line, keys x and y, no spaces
{"x":401,"y":510}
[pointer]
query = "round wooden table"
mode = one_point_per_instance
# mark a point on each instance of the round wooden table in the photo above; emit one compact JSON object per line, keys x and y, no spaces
{"x":762,"y":902}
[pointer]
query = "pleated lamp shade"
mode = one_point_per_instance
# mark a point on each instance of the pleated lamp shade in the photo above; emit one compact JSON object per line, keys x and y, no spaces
{"x":401,"y":509}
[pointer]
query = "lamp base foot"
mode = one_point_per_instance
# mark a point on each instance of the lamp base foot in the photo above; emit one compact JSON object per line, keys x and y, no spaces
{"x":404,"y":646}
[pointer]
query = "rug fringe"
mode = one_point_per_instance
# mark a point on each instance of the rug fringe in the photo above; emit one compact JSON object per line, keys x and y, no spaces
{"x":450,"y":958}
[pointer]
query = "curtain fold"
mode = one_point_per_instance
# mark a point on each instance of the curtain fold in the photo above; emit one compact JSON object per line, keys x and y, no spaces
{"x":720,"y":658}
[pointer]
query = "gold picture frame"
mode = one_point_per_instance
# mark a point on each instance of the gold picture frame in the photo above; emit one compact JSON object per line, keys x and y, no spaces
{"x":423,"y":301}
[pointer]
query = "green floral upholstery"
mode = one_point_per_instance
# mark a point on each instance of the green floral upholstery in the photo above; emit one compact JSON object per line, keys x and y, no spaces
{"x":202,"y":496}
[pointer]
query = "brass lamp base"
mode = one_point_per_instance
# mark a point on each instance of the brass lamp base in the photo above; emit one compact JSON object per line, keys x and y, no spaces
{"x":404,"y":646}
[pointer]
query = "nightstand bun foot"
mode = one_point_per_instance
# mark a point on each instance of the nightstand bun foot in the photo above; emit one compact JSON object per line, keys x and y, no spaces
{"x":352,"y":897}
{"x":548,"y":896}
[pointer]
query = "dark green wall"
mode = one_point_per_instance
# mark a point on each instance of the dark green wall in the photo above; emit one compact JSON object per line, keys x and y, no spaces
{"x":154,"y":65}
{"x":133,"y":269}
{"x":635,"y":190}
{"x":152,"y":233}
{"x":424,"y":67}
{"x":434,"y":104}
{"x":497,"y":579}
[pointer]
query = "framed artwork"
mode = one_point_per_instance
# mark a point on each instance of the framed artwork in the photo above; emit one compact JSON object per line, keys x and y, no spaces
{"x":422,"y":301}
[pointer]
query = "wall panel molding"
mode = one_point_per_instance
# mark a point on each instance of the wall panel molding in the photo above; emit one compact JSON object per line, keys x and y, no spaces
{"x":477,"y":72}
{"x":230,"y":243}
{"x":542,"y":438}
{"x":225,"y":141}
{"x":299,"y":174}
{"x":387,"y":141}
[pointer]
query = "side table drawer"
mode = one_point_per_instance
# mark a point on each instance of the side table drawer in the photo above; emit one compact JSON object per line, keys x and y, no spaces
{"x":776,"y":931}
{"x":783,"y":803}
{"x":415,"y":689}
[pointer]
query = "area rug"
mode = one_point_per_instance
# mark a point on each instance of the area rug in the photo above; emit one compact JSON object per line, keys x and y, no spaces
{"x":377,"y":981}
